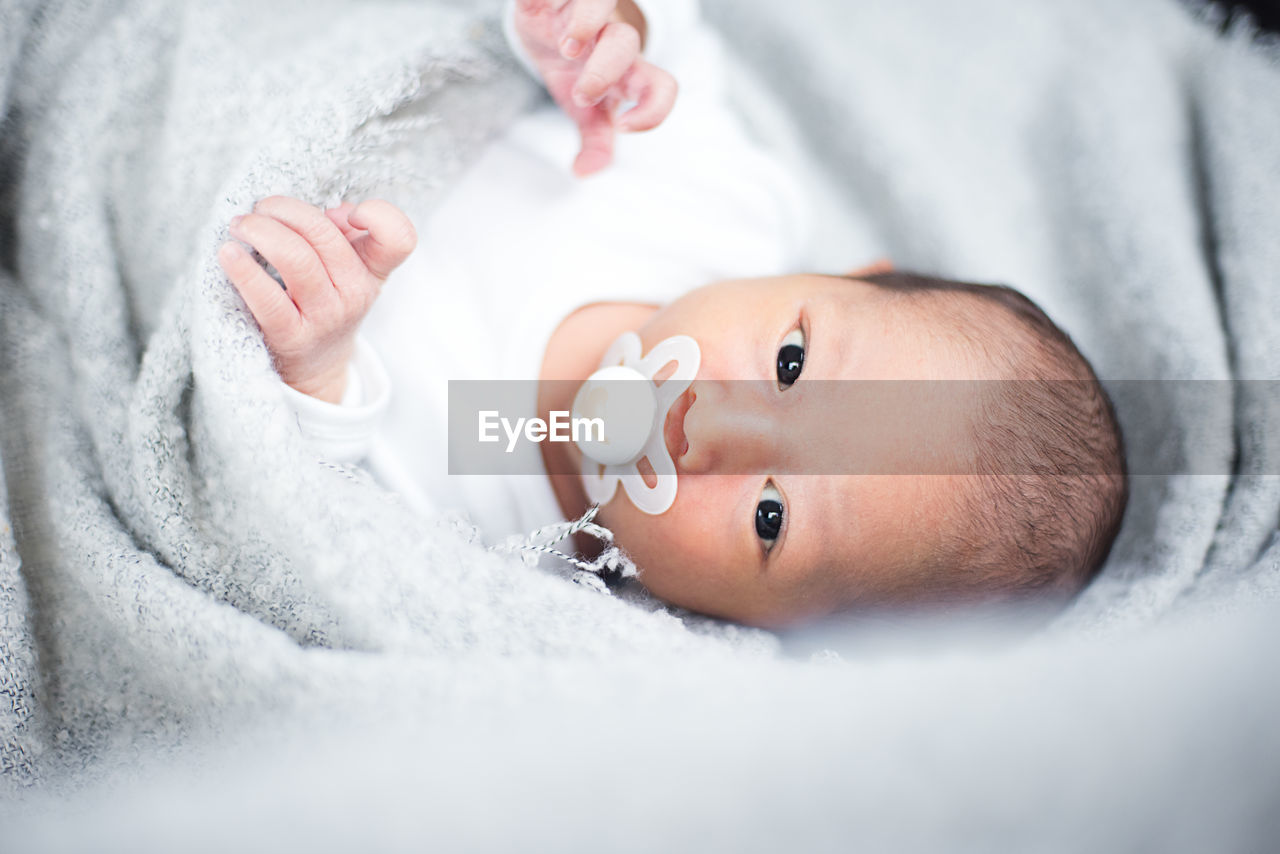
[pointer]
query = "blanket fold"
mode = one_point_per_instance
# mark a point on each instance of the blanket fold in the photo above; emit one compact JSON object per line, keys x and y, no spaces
{"x":172,"y":523}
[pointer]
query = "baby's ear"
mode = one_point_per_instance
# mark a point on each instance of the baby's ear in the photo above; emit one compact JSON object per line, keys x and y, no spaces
{"x":881,"y":265}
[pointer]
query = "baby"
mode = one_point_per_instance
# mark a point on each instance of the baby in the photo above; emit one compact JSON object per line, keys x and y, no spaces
{"x":806,"y":485}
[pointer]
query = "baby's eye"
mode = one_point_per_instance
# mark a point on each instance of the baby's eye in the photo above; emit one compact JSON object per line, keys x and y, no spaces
{"x":790,"y":358}
{"x":769,"y":515}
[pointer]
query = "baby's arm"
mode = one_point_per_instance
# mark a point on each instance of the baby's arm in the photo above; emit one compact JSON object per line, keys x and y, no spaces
{"x":333,"y":264}
{"x":588,"y":54}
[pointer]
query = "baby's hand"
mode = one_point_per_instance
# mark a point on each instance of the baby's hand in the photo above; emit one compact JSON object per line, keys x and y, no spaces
{"x":333,"y":264}
{"x":589,"y":59}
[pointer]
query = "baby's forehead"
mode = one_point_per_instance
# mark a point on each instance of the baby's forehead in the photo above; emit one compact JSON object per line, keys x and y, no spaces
{"x":880,"y":333}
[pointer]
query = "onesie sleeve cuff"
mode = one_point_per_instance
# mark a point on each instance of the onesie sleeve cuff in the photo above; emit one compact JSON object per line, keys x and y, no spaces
{"x":343,"y":432}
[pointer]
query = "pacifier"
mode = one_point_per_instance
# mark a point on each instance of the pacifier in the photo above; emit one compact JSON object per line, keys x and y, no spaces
{"x":633,"y":409}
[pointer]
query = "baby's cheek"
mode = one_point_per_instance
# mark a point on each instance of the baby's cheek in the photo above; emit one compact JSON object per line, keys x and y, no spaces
{"x":687,"y":553}
{"x":645,"y":537}
{"x":657,"y":544}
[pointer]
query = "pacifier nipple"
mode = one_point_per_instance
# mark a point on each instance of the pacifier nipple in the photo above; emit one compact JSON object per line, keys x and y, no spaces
{"x":633,"y":410}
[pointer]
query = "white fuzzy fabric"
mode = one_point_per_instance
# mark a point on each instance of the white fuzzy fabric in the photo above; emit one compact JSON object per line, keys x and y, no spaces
{"x":266,"y":651}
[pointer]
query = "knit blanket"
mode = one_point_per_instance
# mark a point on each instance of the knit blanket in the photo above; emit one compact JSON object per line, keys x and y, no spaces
{"x":210,"y":639}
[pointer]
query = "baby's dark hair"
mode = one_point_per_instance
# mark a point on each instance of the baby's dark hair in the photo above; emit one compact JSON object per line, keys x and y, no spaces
{"x":1050,"y":484}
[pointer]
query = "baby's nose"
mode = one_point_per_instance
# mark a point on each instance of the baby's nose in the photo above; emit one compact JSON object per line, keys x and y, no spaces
{"x":731,"y":428}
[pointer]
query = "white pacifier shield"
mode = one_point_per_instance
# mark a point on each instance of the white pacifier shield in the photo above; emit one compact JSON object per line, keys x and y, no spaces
{"x":623,"y":390}
{"x":626,"y":402}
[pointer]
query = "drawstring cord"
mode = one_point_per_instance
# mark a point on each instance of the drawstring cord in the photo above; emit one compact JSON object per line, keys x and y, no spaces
{"x":612,"y":564}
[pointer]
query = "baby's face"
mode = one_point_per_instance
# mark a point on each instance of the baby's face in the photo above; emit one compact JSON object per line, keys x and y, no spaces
{"x":758,"y":532}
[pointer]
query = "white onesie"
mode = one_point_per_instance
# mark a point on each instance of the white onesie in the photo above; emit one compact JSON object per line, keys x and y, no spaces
{"x":520,"y":243}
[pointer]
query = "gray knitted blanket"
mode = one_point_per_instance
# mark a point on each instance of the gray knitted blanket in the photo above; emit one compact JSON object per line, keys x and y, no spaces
{"x":212,"y":640}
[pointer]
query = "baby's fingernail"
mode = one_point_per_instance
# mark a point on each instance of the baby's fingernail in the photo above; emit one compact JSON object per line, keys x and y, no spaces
{"x":235,"y":220}
{"x":581,"y":99}
{"x":569,"y":48}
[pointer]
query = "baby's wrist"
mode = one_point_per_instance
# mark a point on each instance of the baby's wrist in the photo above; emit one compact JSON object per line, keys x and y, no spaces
{"x":329,"y":386}
{"x":343,"y":432}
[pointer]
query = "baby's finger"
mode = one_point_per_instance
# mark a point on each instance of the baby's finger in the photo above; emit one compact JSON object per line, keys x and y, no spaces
{"x":586,"y":19}
{"x":614,"y":53}
{"x":390,"y":239}
{"x":654,"y":90}
{"x":339,"y":217}
{"x":597,"y":142}
{"x":296,"y":261}
{"x":532,"y":6}
{"x":270,"y":305}
{"x":309,"y":222}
